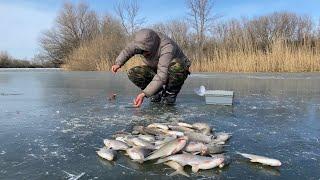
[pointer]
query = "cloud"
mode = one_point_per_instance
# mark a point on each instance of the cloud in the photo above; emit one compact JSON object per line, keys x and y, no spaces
{"x":20,"y":27}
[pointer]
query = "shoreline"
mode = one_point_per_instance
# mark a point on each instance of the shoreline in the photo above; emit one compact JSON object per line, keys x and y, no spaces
{"x":192,"y":72}
{"x":228,"y":75}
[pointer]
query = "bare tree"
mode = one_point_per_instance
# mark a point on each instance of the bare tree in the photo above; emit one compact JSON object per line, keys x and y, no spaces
{"x":200,"y":17}
{"x":128,"y":12}
{"x":4,"y":59}
{"x":74,"y":24}
{"x":177,"y":29}
{"x":318,"y":29}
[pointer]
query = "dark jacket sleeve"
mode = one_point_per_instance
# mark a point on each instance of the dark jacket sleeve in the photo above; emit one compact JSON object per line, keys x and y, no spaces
{"x":161,"y":77}
{"x":129,"y":51}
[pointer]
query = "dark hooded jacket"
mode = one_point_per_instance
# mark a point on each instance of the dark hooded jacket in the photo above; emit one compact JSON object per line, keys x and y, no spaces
{"x":163,"y":51}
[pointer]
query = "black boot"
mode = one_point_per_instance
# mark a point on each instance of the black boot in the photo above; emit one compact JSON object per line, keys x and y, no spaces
{"x":156,"y":98}
{"x":169,"y":98}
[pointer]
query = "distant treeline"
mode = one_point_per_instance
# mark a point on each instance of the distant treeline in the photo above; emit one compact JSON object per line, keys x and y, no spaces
{"x":278,"y":42}
{"x":7,"y":61}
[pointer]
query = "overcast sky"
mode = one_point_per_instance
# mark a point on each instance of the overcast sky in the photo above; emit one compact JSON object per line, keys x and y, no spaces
{"x":22,"y":21}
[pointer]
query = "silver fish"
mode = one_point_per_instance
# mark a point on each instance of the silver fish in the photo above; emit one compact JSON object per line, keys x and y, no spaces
{"x":221,"y":137}
{"x":135,"y":132}
{"x":160,"y":143}
{"x":176,"y":166}
{"x":142,"y":143}
{"x":194,"y":136}
{"x":126,"y":140}
{"x":173,"y":133}
{"x":138,"y":153}
{"x":202,"y":127}
{"x":196,"y":147}
{"x":206,"y":131}
{"x":147,"y":137}
{"x":184,"y":124}
{"x":261,"y":159}
{"x":226,"y":161}
{"x":180,"y":128}
{"x":215,"y":148}
{"x":121,"y":134}
{"x":158,"y":125}
{"x":169,"y":148}
{"x":106,"y":153}
{"x":197,"y":162}
{"x":115,"y":145}
{"x":122,"y":139}
{"x":148,"y":130}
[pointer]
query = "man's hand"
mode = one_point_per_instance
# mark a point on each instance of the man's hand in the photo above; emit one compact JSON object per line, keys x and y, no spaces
{"x":139,"y":100}
{"x":115,"y":68}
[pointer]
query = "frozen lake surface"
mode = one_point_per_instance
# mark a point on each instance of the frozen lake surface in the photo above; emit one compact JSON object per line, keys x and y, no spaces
{"x":52,"y":122}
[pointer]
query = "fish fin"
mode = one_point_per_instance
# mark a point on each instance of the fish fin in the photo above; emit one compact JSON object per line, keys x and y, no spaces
{"x":221,"y":165}
{"x":212,"y":155}
{"x":182,"y":172}
{"x":220,"y":143}
{"x":138,"y":160}
{"x":184,"y":152}
{"x":195,"y":153}
{"x":195,"y":168}
{"x":159,"y":161}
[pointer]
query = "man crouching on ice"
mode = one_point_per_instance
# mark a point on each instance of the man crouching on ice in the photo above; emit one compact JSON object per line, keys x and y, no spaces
{"x":165,"y":70}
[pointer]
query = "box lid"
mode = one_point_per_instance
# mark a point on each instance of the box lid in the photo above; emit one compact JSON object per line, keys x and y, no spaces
{"x":218,"y":93}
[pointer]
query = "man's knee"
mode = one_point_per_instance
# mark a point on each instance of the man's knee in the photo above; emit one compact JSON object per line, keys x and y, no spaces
{"x":141,"y":75}
{"x":176,"y":67}
{"x":177,"y":73}
{"x":133,"y":72}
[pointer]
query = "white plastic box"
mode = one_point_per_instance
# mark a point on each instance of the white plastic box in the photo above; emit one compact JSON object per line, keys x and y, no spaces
{"x":219,"y":97}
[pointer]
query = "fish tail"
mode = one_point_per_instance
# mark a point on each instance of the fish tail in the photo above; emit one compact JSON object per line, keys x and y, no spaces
{"x":151,"y":147}
{"x":195,"y":168}
{"x":149,"y":158}
{"x":243,"y":154}
{"x":182,"y":172}
{"x":240,"y":153}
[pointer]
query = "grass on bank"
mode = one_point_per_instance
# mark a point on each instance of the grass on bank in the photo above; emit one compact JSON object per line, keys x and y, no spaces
{"x":99,"y":55}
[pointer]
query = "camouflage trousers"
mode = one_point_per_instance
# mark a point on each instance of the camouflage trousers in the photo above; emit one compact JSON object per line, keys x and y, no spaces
{"x":141,"y":76}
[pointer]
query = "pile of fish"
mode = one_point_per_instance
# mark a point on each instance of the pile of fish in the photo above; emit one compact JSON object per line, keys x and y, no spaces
{"x":176,"y":145}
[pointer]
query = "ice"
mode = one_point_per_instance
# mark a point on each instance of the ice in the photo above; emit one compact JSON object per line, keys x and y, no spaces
{"x":275,"y":114}
{"x":73,"y":176}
